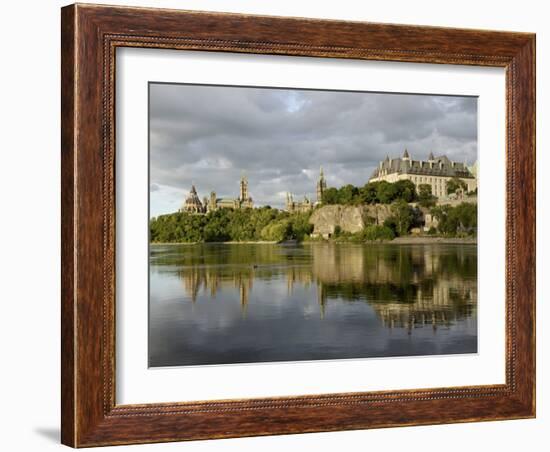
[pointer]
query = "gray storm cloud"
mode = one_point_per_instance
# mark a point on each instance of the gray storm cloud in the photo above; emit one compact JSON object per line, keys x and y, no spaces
{"x":210,"y":135}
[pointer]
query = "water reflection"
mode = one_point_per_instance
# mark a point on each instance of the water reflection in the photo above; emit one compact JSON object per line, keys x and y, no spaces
{"x":370,"y":300}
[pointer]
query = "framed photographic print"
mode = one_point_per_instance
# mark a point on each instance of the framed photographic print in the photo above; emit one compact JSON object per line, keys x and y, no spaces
{"x":281,"y":225}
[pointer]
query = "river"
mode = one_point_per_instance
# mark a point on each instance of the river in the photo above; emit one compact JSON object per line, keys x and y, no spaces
{"x":247,"y":303}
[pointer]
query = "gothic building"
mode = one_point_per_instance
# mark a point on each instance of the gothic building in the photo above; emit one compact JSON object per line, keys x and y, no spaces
{"x":294,"y":206}
{"x":436,"y":172}
{"x":306,"y":205}
{"x":193,"y":204}
{"x":321,"y":186}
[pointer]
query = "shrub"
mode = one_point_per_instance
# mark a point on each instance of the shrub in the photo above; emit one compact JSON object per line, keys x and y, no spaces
{"x":375,"y":232}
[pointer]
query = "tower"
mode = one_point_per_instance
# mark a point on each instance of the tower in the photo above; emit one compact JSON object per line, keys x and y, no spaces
{"x":289,"y":202}
{"x":193,"y":203}
{"x":243,"y":192}
{"x":321,"y":185}
{"x":212,"y":205}
{"x":406,"y":155}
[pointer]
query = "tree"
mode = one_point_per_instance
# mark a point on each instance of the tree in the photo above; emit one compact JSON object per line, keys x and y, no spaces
{"x":425,"y":197}
{"x":330,"y":196}
{"x":217,"y":226}
{"x":385,"y":192}
{"x":405,"y":190}
{"x":301,"y":227}
{"x":375,"y":232}
{"x":461,"y":219}
{"x":277,"y":231}
{"x":347,"y":194}
{"x":402,"y":217}
{"x":455,"y":184}
{"x":368,"y":193}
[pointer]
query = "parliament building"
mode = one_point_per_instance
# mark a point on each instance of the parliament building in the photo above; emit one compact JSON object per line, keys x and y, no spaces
{"x":436,"y":172}
{"x":306,"y":205}
{"x":193,"y":204}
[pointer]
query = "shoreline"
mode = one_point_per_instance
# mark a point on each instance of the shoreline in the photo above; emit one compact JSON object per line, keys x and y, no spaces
{"x":408,"y":240}
{"x":250,"y":242}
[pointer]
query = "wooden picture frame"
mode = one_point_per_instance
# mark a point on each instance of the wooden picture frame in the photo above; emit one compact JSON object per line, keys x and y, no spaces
{"x":90,"y":35}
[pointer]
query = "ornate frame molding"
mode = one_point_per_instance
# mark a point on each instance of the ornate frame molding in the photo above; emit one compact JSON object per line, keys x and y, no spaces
{"x":90,"y":37}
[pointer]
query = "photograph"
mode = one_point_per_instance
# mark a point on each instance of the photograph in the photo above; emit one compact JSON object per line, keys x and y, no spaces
{"x":292,"y":224}
{"x":269,"y":226}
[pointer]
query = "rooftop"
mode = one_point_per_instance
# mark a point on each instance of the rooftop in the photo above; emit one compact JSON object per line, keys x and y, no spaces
{"x":434,"y":166}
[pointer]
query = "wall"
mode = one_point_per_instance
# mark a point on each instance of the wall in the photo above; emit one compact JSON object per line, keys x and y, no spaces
{"x":30,"y":224}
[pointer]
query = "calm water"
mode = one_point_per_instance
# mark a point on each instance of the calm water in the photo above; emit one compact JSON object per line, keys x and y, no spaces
{"x":218,"y":304}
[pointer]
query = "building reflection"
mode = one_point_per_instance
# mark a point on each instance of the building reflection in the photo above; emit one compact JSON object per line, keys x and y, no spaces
{"x":407,"y":287}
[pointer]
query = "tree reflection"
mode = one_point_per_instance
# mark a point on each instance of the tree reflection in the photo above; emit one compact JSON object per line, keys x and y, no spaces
{"x":407,"y":286}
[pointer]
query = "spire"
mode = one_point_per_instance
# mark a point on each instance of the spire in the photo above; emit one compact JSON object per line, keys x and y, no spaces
{"x":321,"y":175}
{"x":243,"y":186}
{"x":431,"y":156}
{"x":406,"y":154}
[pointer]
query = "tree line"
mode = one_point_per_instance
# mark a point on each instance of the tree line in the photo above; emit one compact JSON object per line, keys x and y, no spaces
{"x":269,"y":224}
{"x":380,"y":192}
{"x":225,"y":225}
{"x":383,"y":192}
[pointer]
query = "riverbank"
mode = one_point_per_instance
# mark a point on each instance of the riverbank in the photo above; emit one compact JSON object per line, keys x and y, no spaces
{"x":426,"y":240}
{"x":407,"y":240}
{"x":256,"y":242}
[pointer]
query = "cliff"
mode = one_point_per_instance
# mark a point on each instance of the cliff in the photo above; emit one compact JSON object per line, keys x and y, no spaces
{"x":349,"y":218}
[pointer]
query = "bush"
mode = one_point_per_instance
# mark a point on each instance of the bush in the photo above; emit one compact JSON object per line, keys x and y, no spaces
{"x":459,"y":220}
{"x":402,"y":218}
{"x":375,"y":233}
{"x":277,"y":231}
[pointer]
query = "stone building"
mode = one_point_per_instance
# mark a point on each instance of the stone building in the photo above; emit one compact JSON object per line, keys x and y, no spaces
{"x":193,"y":203}
{"x":306,"y":205}
{"x":436,"y":172}
{"x":321,"y":186}
{"x":295,"y":206}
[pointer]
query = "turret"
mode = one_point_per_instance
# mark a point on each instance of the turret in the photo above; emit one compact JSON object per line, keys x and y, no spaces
{"x":321,"y":185}
{"x":243,"y":192}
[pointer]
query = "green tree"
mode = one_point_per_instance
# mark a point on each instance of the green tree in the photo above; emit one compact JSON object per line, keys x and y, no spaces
{"x":347,"y":194}
{"x":402,"y":217}
{"x":277,"y":231}
{"x":330,"y":196}
{"x":425,"y":197}
{"x":300,"y":225}
{"x":455,"y":184}
{"x":368,"y":193}
{"x":376,"y":233}
{"x":216,"y":228}
{"x":405,"y":190}
{"x":461,"y":219}
{"x":385,"y":192}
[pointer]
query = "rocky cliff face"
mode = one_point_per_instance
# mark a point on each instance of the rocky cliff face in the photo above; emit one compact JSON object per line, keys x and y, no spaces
{"x":349,"y":218}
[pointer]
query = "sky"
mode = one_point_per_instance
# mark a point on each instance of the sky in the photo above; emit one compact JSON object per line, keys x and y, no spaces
{"x":211,"y":135}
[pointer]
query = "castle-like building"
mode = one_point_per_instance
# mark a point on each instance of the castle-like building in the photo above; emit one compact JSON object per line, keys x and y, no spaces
{"x":193,"y":204}
{"x":436,"y":172}
{"x":306,"y":205}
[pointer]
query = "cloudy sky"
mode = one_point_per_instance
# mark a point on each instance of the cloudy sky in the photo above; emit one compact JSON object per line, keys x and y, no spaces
{"x":210,"y":135}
